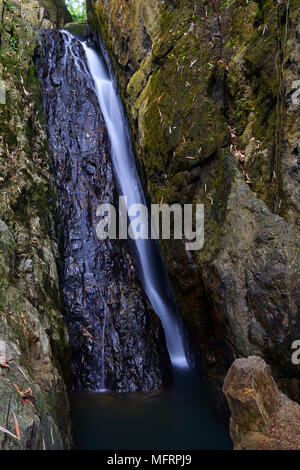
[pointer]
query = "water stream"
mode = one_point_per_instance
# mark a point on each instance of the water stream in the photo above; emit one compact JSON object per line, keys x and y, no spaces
{"x":179,"y":416}
{"x":152,"y":271}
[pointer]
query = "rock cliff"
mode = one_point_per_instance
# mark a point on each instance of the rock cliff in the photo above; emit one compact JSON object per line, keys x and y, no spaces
{"x":117,"y":340}
{"x":262,"y":417}
{"x":211,"y":90}
{"x":34,"y":343}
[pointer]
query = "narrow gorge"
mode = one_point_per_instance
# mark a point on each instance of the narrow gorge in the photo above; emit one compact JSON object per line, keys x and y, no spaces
{"x":117,"y":340}
{"x":115,"y":343}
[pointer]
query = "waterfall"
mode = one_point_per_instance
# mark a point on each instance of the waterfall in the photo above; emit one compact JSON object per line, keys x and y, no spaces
{"x":118,"y":342}
{"x":152,"y":271}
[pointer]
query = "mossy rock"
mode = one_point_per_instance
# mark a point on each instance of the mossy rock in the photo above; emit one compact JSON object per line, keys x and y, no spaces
{"x":31,"y":323}
{"x":82,"y":30}
{"x":212,"y":67}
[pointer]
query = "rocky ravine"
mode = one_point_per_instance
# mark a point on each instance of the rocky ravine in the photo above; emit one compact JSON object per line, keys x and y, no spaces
{"x":117,"y":340}
{"x":262,"y":417}
{"x":212,"y":96}
{"x":34,"y":343}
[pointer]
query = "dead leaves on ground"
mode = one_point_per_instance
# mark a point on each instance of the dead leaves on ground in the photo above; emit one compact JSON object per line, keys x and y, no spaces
{"x":239,"y":154}
{"x":4,"y":364}
{"x":26,"y":393}
{"x":24,"y":90}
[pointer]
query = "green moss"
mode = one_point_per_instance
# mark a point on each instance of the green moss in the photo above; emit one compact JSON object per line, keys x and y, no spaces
{"x":206,"y":75}
{"x":28,"y":206}
{"x":253,"y":84}
{"x":81,"y":29}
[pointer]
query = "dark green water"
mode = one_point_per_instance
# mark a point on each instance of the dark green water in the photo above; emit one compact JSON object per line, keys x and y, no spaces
{"x":179,"y":418}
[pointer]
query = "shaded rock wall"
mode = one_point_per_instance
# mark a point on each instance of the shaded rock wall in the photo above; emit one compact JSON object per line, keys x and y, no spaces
{"x":211,"y":93}
{"x":32,"y":332}
{"x":118,"y":341}
{"x":262,"y":417}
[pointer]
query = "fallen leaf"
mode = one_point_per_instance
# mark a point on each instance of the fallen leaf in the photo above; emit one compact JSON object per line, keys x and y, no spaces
{"x":87,"y":333}
{"x":6,"y":431}
{"x":16,"y":426}
{"x":4,"y":365}
{"x":26,"y":395}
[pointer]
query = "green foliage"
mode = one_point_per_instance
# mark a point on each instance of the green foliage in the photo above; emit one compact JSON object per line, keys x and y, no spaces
{"x":230,"y":3}
{"x":243,"y":107}
{"x":13,"y":42}
{"x":77,"y":9}
{"x":233,"y":42}
{"x":8,"y":5}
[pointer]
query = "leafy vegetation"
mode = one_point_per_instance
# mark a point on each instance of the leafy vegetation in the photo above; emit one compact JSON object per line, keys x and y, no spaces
{"x":13,"y":42}
{"x":77,"y":9}
{"x":8,"y":5}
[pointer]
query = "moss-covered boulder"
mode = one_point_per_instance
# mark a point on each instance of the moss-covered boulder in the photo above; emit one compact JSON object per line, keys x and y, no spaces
{"x":34,"y":343}
{"x":82,"y":29}
{"x":210,"y":89}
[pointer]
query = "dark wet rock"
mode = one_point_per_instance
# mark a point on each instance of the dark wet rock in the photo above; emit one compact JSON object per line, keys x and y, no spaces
{"x":117,"y":339}
{"x":262,"y":417}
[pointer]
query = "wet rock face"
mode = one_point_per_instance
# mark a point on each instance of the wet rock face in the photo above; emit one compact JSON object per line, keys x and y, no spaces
{"x":210,"y":69}
{"x":34,"y":342}
{"x":262,"y":418}
{"x":117,"y":340}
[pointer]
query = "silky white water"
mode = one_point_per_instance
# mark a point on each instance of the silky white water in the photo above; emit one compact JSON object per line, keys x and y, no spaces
{"x":154,"y":278}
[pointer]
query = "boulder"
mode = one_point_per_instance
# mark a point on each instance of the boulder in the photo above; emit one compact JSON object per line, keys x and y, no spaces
{"x":82,"y":29}
{"x":262,"y":417}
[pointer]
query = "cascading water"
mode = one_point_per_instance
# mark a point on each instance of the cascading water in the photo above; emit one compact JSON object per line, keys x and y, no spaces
{"x":117,"y":340}
{"x":152,"y":271}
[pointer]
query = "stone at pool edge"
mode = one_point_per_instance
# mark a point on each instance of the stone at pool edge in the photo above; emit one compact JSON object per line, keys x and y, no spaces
{"x":262,"y":417}
{"x":82,"y":29}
